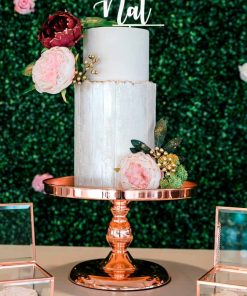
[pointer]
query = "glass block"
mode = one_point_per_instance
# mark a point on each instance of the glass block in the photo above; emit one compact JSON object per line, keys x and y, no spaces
{"x":17,"y":243}
{"x":208,"y":290}
{"x":19,"y":272}
{"x":231,"y":237}
{"x":30,"y":288}
{"x":228,"y":277}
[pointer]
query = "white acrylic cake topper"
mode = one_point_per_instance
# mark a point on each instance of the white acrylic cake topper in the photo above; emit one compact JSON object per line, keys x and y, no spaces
{"x":132,"y":11}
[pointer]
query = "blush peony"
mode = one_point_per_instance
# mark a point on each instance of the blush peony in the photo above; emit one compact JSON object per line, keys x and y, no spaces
{"x":243,"y":72}
{"x":37,"y":182}
{"x":139,"y":171}
{"x":60,"y":29}
{"x":54,"y":70}
{"x":24,"y":6}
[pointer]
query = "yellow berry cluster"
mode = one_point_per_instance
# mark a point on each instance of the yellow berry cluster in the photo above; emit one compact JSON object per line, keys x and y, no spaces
{"x":89,"y":65}
{"x":80,"y":76}
{"x":167,"y":162}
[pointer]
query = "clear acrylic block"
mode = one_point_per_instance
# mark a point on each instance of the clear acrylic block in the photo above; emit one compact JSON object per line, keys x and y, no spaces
{"x":228,"y":277}
{"x":19,"y":273}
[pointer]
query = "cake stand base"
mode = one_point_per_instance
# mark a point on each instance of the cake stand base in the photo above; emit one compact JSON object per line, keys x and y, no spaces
{"x":118,"y":271}
{"x":147,"y":275}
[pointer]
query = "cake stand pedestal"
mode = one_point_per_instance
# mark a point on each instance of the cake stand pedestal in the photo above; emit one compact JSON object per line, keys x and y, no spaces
{"x":118,"y":271}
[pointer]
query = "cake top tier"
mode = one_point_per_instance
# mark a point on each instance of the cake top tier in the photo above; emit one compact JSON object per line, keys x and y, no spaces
{"x":123,"y":53}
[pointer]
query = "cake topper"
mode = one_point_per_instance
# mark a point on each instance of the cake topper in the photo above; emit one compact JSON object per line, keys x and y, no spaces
{"x":136,"y":12}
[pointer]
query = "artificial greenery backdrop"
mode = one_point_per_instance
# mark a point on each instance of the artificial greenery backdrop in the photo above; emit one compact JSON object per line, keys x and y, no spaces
{"x":194,"y":61}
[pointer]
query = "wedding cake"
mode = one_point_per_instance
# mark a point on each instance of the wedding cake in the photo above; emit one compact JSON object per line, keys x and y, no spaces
{"x":114,"y":106}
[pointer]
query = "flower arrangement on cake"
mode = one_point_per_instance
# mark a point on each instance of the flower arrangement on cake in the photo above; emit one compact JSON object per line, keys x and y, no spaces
{"x":148,"y":168}
{"x":111,"y":108}
{"x":60,"y":63}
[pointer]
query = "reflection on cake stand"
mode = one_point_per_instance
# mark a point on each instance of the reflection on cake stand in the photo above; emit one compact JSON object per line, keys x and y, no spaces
{"x":118,"y":271}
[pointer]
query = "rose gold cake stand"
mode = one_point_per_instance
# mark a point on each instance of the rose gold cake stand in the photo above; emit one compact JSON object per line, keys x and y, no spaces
{"x":118,"y":271}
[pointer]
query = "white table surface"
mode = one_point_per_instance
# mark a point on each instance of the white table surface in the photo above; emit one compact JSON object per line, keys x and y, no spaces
{"x":184,"y":266}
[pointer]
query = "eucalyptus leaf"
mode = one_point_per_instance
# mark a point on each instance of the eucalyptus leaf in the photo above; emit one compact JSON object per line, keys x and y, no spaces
{"x":160,"y":132}
{"x":134,"y":150}
{"x":172,"y":145}
{"x":140,"y":146}
{"x":136,"y":143}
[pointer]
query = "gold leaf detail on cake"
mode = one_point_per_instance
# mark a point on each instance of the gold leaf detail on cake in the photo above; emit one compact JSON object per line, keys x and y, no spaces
{"x":88,"y":65}
{"x":160,"y":132}
{"x":173,"y":144}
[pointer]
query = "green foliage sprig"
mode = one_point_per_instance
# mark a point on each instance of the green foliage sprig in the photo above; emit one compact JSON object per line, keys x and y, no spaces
{"x":94,"y":22}
{"x":160,"y":132}
{"x":174,"y":173}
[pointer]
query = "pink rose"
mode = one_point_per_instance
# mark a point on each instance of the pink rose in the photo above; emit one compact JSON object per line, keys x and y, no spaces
{"x":139,"y":171}
{"x":24,"y":6}
{"x":243,"y":72}
{"x":37,"y":182}
{"x":54,"y":70}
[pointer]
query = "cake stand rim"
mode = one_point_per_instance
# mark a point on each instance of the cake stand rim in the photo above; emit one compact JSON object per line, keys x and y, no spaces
{"x":64,"y":187}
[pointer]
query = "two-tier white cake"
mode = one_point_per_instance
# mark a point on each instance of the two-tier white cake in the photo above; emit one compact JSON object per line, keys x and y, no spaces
{"x":113,"y":107}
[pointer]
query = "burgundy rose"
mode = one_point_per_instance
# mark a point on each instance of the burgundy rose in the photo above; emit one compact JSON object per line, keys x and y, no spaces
{"x":61,"y":29}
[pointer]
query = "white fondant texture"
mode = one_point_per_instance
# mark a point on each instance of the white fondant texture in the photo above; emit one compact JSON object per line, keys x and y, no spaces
{"x":107,"y":116}
{"x":123,"y":53}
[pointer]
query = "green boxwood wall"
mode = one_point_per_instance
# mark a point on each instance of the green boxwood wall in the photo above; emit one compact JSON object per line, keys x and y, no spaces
{"x":194,"y":61}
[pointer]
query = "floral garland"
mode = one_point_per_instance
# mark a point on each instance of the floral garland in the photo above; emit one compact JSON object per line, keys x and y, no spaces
{"x":60,"y":63}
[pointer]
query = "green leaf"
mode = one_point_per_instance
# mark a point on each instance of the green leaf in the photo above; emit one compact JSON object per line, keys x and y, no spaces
{"x":93,"y":22}
{"x":172,"y":145}
{"x":181,"y":173}
{"x":160,"y":132}
{"x":30,"y":88}
{"x":44,"y":49}
{"x":134,"y":150}
{"x":63,"y":94}
{"x":28,"y":70}
{"x":140,"y":146}
{"x":171,"y":182}
{"x":77,"y":57}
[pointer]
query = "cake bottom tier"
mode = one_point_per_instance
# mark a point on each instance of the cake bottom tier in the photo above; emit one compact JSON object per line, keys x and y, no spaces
{"x":108,"y":115}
